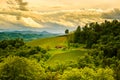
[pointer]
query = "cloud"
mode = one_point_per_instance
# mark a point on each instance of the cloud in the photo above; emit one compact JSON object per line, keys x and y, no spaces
{"x":70,"y":18}
{"x":30,"y":22}
{"x":112,"y":14}
{"x":22,"y":5}
{"x":11,"y":15}
{"x":45,"y":5}
{"x":56,"y":19}
{"x":65,"y":18}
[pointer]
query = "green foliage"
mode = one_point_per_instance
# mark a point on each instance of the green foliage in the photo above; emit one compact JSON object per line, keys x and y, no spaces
{"x":106,"y":34}
{"x":66,"y":31}
{"x":88,"y":74}
{"x":86,"y":61}
{"x":37,"y":53}
{"x":117,"y":71}
{"x":105,"y":74}
{"x":77,"y":35}
{"x":104,"y":41}
{"x":18,"y":48}
{"x":52,"y":76}
{"x":18,"y":68}
{"x":11,"y":43}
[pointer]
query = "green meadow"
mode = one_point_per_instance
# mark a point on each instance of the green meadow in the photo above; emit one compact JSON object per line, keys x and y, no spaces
{"x":67,"y":56}
{"x":49,"y":42}
{"x":62,"y":54}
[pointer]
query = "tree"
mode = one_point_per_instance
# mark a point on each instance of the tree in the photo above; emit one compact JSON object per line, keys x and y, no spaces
{"x":77,"y":34}
{"x":19,"y":68}
{"x":88,"y":74}
{"x":66,"y":31}
{"x":17,"y":43}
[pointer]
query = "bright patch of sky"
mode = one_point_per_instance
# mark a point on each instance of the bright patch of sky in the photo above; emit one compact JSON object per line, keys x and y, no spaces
{"x":45,"y":5}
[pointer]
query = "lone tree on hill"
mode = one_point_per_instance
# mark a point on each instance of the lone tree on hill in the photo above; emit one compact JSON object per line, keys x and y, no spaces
{"x":66,"y":31}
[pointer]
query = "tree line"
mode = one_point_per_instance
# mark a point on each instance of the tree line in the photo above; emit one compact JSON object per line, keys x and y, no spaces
{"x":103,"y":40}
{"x":106,"y":35}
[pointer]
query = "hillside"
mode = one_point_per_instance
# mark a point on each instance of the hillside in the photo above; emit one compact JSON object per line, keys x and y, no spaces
{"x":57,"y":47}
{"x":66,"y":56}
{"x":49,"y":42}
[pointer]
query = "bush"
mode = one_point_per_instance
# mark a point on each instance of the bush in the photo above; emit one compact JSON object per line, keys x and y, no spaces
{"x":18,"y":68}
{"x":78,"y":74}
{"x":88,"y":74}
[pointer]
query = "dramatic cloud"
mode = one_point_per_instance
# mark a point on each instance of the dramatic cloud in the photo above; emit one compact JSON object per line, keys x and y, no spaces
{"x":21,"y":17}
{"x":30,"y":22}
{"x":64,"y":18}
{"x":112,"y":14}
{"x":22,"y":5}
{"x":45,"y":5}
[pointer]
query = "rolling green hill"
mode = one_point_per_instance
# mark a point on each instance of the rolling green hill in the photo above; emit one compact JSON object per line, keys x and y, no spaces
{"x":49,"y":42}
{"x":70,"y":55}
{"x":60,"y":55}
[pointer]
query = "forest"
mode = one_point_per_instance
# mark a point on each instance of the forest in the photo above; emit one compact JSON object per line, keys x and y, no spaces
{"x":91,"y":52}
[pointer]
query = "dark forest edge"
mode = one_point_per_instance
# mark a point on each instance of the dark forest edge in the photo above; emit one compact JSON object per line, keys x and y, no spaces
{"x":19,"y":61}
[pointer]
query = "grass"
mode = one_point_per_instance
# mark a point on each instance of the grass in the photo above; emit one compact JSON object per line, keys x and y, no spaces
{"x":59,"y":55}
{"x":65,"y":56}
{"x":49,"y":42}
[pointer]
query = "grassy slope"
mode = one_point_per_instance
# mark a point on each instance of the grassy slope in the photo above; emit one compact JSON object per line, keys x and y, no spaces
{"x":49,"y":42}
{"x":59,"y":55}
{"x":66,"y":56}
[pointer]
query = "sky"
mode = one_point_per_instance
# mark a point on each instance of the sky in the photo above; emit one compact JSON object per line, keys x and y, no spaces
{"x":55,"y":15}
{"x":45,"y":5}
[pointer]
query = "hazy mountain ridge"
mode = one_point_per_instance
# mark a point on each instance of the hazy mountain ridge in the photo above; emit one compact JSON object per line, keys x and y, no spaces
{"x":26,"y":35}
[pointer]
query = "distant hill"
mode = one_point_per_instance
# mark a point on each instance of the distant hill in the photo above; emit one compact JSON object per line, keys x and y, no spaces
{"x":31,"y":32}
{"x":26,"y":35}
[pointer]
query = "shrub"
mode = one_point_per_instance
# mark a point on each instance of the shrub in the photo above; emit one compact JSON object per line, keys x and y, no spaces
{"x":88,"y":74}
{"x":19,"y":68}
